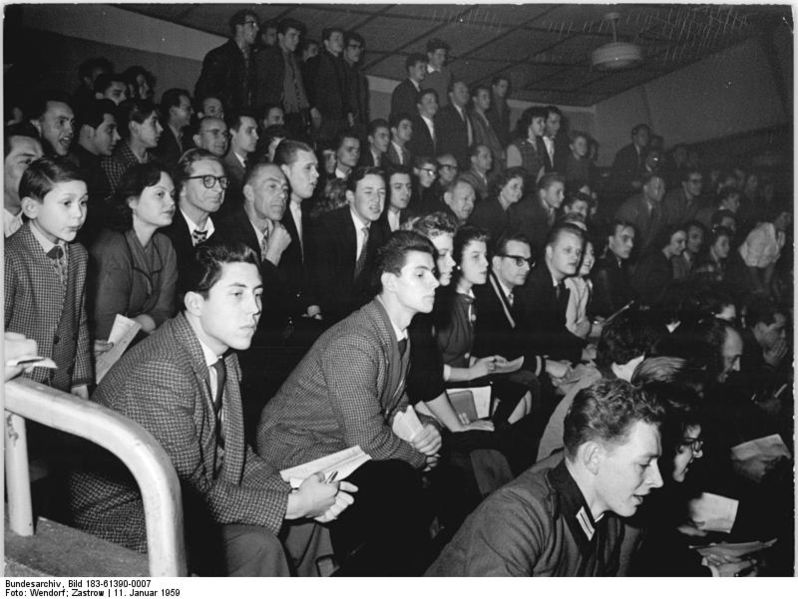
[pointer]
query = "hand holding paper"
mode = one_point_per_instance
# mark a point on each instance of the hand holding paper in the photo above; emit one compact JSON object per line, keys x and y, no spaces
{"x":713,"y":512}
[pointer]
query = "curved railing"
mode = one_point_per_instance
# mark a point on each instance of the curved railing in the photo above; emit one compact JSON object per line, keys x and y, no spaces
{"x":137,"y":448}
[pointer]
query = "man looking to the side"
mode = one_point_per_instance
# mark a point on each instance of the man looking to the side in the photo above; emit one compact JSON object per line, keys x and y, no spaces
{"x":563,"y":520}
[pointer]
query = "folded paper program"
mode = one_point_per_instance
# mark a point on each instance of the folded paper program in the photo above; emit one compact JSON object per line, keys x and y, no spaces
{"x":122,"y":333}
{"x":712,"y":512}
{"x":341,"y":463}
{"x":406,"y":425}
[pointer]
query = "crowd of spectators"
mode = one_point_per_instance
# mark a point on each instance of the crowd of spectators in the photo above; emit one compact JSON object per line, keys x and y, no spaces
{"x":654,"y":297}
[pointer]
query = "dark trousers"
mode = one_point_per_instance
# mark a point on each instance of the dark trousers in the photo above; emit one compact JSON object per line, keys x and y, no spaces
{"x":386,"y":531}
{"x":252,"y":551}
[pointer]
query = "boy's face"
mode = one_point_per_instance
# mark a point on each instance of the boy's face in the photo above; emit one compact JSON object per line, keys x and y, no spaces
{"x":62,"y":211}
{"x":230,"y":313}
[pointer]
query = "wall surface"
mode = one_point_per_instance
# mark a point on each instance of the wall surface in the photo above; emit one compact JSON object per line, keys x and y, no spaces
{"x":729,"y":92}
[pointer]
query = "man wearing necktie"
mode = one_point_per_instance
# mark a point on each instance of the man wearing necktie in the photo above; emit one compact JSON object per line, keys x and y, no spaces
{"x":346,"y":391}
{"x":182,"y":385}
{"x":453,"y":127}
{"x":345,"y":245}
{"x":200,"y":183}
{"x":546,"y":297}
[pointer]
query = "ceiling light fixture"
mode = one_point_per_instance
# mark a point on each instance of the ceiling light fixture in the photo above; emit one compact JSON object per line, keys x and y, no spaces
{"x":616,"y":55}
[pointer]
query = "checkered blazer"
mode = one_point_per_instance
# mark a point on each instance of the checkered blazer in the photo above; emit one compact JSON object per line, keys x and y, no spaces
{"x":344,"y":392}
{"x":162,"y":383}
{"x":35,"y":300}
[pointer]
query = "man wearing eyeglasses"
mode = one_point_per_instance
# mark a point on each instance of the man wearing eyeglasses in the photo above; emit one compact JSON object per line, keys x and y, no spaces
{"x":227,"y":71}
{"x":499,"y":328}
{"x":200,"y":184}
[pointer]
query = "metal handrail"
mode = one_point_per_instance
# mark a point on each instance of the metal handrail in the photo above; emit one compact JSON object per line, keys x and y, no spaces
{"x":129,"y":441}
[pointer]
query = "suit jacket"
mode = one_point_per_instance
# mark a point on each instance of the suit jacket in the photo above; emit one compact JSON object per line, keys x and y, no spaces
{"x":41,"y":308}
{"x":224,"y":75}
{"x":451,"y":133}
{"x":367,"y":158}
{"x":180,"y":237}
{"x":480,"y":185}
{"x":653,"y":274}
{"x":278,"y":302}
{"x":345,"y":392}
{"x":168,"y":151}
{"x":531,"y":218}
{"x":392,"y":156}
{"x":545,"y":317}
{"x":327,"y":89}
{"x":295,"y":263}
{"x":269,"y":77}
{"x":334,"y":257}
{"x":234,"y":196}
{"x":489,"y":215}
{"x":647,"y":221}
{"x":358,"y":87}
{"x":422,"y":144}
{"x":612,"y":288}
{"x":403,"y":98}
{"x":499,"y":328}
{"x":162,"y":384}
{"x":626,"y":167}
{"x":499,"y":116}
{"x":485,"y":134}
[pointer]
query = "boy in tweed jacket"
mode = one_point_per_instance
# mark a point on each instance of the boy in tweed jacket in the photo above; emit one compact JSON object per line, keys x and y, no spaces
{"x":45,"y":274}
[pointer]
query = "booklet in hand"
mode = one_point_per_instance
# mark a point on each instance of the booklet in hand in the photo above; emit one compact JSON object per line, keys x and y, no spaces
{"x":340,"y":464}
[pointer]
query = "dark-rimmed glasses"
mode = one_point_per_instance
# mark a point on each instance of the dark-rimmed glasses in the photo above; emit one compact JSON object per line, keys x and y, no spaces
{"x":209,"y":181}
{"x":519,"y":260}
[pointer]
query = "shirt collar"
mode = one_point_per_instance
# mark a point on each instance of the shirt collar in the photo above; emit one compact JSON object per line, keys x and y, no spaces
{"x":240,"y":159}
{"x":573,"y":507}
{"x":399,"y":333}
{"x":192,"y":226}
{"x":46,"y":244}
{"x":358,"y":222}
{"x":207,"y":353}
{"x":341,"y":174}
{"x":431,"y":69}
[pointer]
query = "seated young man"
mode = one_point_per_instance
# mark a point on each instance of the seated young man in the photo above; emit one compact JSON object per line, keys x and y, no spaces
{"x":346,"y":391}
{"x":563,"y":520}
{"x":182,"y":385}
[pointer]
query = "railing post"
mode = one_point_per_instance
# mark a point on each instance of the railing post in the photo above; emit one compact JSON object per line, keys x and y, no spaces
{"x":20,"y":510}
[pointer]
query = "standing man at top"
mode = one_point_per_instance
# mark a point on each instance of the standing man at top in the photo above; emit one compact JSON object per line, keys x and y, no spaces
{"x":555,"y":156}
{"x":279,"y":79}
{"x":438,"y":76}
{"x":357,"y":84}
{"x":403,"y":98}
{"x":327,"y":86}
{"x":499,"y":112}
{"x":227,"y":71}
{"x":454,"y":128}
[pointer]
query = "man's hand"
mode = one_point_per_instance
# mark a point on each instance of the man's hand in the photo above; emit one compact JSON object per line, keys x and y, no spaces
{"x":279,"y":240}
{"x":427,"y":441}
{"x":557,"y":369}
{"x":81,"y":391}
{"x":431,"y":462}
{"x":482,"y":367}
{"x":101,"y":346}
{"x":313,"y":498}
{"x":343,"y":500}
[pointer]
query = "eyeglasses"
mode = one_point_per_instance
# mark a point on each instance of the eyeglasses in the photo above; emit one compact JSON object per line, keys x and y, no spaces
{"x":519,"y":260}
{"x":695,"y":443}
{"x":429,"y":171}
{"x":253,"y":24}
{"x":209,"y":181}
